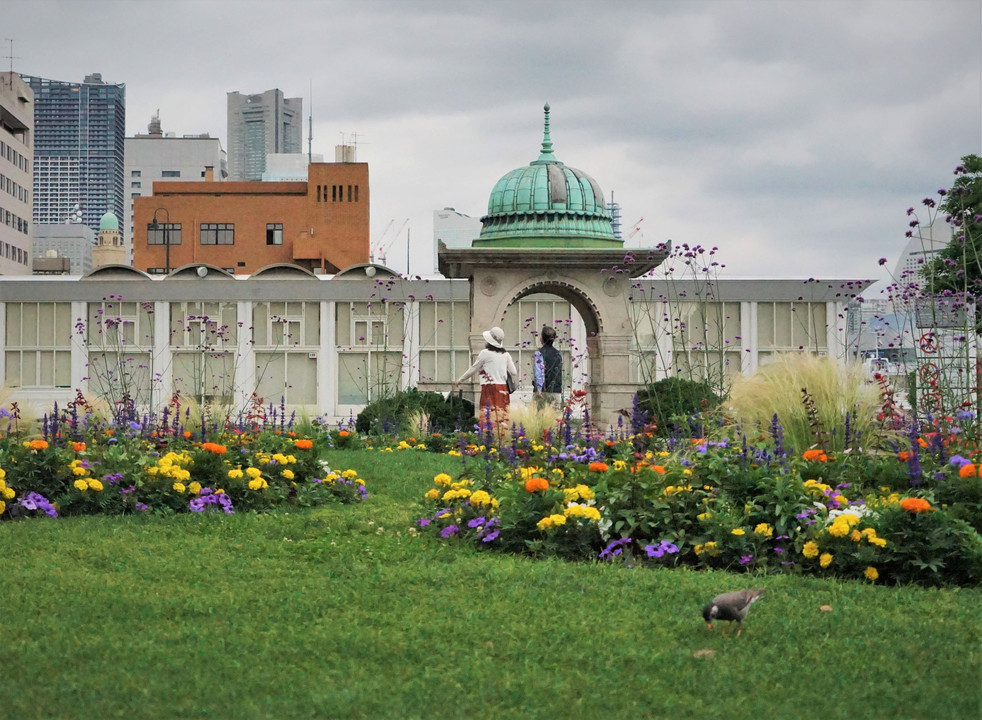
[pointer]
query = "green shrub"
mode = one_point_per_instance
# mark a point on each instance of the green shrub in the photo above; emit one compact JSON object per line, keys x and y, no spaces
{"x":672,"y":402}
{"x":392,"y":414}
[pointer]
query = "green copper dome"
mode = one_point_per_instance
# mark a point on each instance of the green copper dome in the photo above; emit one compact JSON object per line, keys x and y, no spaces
{"x":547,"y":205}
{"x":108,"y":222}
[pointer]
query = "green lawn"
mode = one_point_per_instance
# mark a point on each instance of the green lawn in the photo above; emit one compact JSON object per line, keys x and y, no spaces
{"x":343,"y":612}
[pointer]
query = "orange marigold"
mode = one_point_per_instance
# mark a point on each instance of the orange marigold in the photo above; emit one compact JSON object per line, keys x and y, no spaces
{"x":535,"y":484}
{"x":916,"y":505}
{"x":78,"y":447}
{"x":904,"y":455}
{"x":597,"y":466}
{"x":815,"y":455}
{"x":214,"y":448}
{"x":343,"y":433}
{"x":967,"y":470}
{"x":660,"y":469}
{"x":38,"y":445}
{"x":303,"y":444}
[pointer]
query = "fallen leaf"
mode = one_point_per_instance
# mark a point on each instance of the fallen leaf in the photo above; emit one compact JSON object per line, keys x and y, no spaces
{"x":825,"y":608}
{"x":704,"y":653}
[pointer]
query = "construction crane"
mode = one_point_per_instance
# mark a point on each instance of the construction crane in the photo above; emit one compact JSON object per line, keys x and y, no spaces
{"x":635,"y":229}
{"x":381,"y":246}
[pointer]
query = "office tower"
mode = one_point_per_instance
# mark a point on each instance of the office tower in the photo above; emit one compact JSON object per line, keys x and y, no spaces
{"x":79,"y":133}
{"x":259,"y":125}
{"x":159,"y":157}
{"x":73,"y":243}
{"x":16,"y":157}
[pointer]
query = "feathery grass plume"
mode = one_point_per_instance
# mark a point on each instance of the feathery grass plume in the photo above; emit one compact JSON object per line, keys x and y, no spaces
{"x":534,"y":419}
{"x":834,"y":389}
{"x":418,"y":423}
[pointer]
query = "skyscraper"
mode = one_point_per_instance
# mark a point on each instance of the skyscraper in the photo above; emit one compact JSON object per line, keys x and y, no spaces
{"x":79,"y":136}
{"x":259,"y":125}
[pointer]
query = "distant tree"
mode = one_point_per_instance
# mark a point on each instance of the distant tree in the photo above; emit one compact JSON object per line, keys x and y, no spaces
{"x":958,"y":267}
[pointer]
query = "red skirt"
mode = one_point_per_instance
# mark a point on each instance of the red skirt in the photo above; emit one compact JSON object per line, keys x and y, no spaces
{"x":495,"y":396}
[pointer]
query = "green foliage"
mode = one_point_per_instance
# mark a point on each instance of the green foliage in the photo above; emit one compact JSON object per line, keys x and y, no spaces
{"x":673,"y":402}
{"x":392,"y":414}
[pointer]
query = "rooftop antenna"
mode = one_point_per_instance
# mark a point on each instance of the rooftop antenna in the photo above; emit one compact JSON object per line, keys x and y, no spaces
{"x":310,"y":126}
{"x":11,"y":57}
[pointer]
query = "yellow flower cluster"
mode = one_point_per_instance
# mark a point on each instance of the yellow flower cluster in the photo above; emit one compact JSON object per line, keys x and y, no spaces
{"x":710,"y":548}
{"x":83,"y":484}
{"x":77,"y":468}
{"x":738,"y":531}
{"x":443,"y":480}
{"x":587,"y":512}
{"x":458,"y":493}
{"x":825,"y":560}
{"x":620,"y":465}
{"x":703,"y":516}
{"x":764,"y":529}
{"x":551,"y":521}
{"x":810,"y":549}
{"x":580,"y":492}
{"x":258,"y":484}
{"x":672,"y":489}
{"x":818,"y":489}
{"x":172,"y":466}
{"x":843,"y":525}
{"x":871,"y":573}
{"x":179,"y":487}
{"x":7,"y":493}
{"x":481,"y":499}
{"x":527,"y":473}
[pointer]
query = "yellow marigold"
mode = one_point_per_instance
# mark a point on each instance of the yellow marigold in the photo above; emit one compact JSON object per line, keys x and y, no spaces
{"x":620,"y":465}
{"x":849,"y":519}
{"x":349,"y":474}
{"x":810,"y":549}
{"x":841,"y":499}
{"x":288,"y":474}
{"x":551,"y":521}
{"x":257,"y":484}
{"x":235,"y":473}
{"x":871,"y":573}
{"x":3,"y":483}
{"x":855,"y":536}
{"x":878,"y":541}
{"x":709,"y":548}
{"x":280,"y":459}
{"x":704,"y":516}
{"x":8,"y":493}
{"x":737,"y":531}
{"x":179,"y":487}
{"x":480,"y":498}
{"x":3,"y":507}
{"x":839,"y":528}
{"x":95,"y":484}
{"x":433,"y":494}
{"x":81,"y":485}
{"x":825,"y":560}
{"x":253,"y":472}
{"x":587,"y":512}
{"x":79,"y":470}
{"x":194,"y":487}
{"x":764,"y":529}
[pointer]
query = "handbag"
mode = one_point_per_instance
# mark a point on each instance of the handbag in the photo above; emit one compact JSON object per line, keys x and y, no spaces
{"x":510,"y":384}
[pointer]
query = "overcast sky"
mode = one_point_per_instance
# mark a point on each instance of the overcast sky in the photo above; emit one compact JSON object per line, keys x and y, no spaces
{"x":793,"y":134}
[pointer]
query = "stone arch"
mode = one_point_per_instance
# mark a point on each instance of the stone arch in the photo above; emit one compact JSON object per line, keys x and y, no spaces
{"x":569,"y":292}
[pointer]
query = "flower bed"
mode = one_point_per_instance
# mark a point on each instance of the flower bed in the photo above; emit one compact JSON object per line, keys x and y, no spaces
{"x":106,"y":470}
{"x":901,"y":516}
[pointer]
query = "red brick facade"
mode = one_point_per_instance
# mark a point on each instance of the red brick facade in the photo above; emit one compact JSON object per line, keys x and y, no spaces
{"x":322,"y":223}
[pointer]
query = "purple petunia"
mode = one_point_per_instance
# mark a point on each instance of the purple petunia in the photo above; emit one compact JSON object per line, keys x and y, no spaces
{"x":211,"y":502}
{"x":423,"y":522}
{"x":36,"y":501}
{"x":449,"y":530}
{"x":614,"y":548}
{"x":746,"y":559}
{"x":661,"y":549}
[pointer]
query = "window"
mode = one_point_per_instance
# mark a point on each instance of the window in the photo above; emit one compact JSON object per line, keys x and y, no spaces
{"x":164,"y":234}
{"x":136,"y":184}
{"x":135,"y":173}
{"x":274,"y":233}
{"x":170,"y":173}
{"x":217,"y":233}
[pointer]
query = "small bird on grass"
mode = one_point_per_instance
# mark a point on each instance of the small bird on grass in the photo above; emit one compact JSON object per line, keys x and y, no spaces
{"x":731,"y":606}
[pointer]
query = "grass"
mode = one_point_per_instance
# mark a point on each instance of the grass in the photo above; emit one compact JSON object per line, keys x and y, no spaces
{"x":342,"y":612}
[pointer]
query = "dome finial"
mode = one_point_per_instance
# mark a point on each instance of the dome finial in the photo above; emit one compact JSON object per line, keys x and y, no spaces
{"x":546,"y":155}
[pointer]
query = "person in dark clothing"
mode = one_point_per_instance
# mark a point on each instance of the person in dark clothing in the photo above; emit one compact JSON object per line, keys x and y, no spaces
{"x":548,"y":375}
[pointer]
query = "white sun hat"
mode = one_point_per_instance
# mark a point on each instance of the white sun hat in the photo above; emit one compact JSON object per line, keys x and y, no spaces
{"x":495,"y":336}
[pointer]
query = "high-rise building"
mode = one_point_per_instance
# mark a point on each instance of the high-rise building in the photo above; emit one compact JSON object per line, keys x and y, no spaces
{"x":259,"y":125}
{"x":79,"y":134}
{"x":16,"y":159}
{"x":160,"y":157}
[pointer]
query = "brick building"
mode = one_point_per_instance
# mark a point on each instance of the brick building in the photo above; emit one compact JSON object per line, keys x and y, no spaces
{"x":321,"y":225}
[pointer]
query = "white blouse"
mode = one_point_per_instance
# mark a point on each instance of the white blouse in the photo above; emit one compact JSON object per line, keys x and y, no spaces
{"x":493,"y":367}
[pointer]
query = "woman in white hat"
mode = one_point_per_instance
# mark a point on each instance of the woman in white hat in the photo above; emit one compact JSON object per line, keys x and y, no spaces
{"x":494,"y":365}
